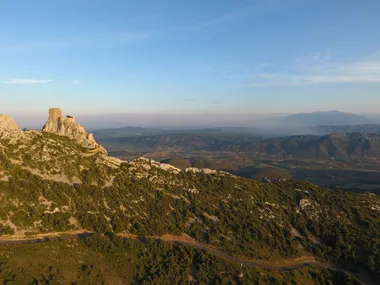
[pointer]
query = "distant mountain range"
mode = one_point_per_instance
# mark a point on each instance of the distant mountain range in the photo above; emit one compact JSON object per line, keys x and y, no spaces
{"x":127,"y":131}
{"x":341,"y":146}
{"x":130,"y":131}
{"x":318,"y":123}
{"x":324,"y":118}
{"x":183,"y":141}
{"x":322,"y":130}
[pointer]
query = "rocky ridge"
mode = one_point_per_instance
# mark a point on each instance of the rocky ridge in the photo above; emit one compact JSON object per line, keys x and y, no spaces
{"x":64,"y":152}
{"x":7,"y":123}
{"x":66,"y":126}
{"x":9,"y":129}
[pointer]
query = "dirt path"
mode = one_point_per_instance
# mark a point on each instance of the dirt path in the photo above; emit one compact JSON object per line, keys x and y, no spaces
{"x":184,"y":240}
{"x":288,"y":264}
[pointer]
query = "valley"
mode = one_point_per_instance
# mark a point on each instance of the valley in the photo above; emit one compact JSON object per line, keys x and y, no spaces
{"x":347,"y":161}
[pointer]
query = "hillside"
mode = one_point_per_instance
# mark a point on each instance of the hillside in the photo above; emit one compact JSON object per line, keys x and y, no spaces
{"x":50,"y":183}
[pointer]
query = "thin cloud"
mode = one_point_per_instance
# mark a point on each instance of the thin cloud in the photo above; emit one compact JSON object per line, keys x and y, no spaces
{"x":374,"y":56}
{"x":27,"y":81}
{"x":219,"y":20}
{"x":314,"y":57}
{"x":252,"y":10}
{"x":190,"y":99}
{"x":318,"y":69}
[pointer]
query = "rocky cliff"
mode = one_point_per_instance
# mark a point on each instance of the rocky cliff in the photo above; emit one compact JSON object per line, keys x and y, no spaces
{"x":66,"y":126}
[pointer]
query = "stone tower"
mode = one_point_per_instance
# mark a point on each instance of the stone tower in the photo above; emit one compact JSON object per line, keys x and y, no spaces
{"x":55,"y":114}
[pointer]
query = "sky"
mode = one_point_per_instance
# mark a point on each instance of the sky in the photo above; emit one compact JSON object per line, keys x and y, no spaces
{"x":167,"y":62}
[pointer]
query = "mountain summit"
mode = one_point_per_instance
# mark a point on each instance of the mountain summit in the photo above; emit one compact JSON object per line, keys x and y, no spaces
{"x":66,"y":126}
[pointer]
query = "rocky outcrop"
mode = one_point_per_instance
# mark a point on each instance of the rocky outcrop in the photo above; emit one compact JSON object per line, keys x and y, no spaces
{"x":8,"y":124}
{"x":9,"y":129}
{"x":66,"y":126}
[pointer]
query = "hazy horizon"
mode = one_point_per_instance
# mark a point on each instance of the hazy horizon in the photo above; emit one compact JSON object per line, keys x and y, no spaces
{"x":195,"y":64}
{"x":166,"y":120}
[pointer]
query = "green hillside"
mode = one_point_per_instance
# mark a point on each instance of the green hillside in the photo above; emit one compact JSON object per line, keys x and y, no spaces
{"x":48,"y":184}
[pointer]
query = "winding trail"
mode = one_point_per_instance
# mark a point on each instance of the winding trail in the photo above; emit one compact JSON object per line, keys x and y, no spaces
{"x":288,"y":264}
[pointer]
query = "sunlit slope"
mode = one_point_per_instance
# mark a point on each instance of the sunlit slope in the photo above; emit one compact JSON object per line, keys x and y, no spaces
{"x":48,"y":183}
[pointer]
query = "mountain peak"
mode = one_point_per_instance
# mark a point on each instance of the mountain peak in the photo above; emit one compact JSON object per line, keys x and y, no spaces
{"x":66,"y":126}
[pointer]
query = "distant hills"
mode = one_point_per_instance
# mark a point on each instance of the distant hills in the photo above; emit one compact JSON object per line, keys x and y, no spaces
{"x":324,"y":118}
{"x":322,"y":130}
{"x":127,"y":131}
{"x":341,"y":146}
{"x":130,"y":131}
{"x":184,"y":141}
{"x":318,"y":123}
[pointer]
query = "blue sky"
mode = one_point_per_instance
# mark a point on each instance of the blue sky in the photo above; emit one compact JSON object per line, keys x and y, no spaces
{"x":189,"y":57}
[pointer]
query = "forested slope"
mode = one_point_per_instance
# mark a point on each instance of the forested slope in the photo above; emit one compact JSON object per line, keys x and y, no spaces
{"x":48,"y":183}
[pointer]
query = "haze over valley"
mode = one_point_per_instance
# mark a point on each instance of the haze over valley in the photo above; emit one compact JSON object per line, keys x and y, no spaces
{"x":337,"y":155}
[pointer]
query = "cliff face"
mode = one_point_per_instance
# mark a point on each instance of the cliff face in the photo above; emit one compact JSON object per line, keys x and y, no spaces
{"x":66,"y":126}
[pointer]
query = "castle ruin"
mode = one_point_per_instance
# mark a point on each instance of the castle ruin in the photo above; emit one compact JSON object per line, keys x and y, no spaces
{"x":66,"y":126}
{"x":55,"y":113}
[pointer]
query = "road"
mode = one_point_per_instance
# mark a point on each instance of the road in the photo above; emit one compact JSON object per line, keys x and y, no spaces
{"x":289,"y":264}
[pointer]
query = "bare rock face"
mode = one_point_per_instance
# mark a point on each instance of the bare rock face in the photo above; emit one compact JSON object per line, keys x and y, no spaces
{"x":9,"y":129}
{"x":8,"y":124}
{"x":66,"y":126}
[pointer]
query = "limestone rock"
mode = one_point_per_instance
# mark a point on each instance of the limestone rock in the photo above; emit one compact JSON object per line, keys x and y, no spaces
{"x":9,"y":129}
{"x":201,"y":170}
{"x":304,"y":203}
{"x":66,"y":126}
{"x":208,"y":171}
{"x":8,"y":124}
